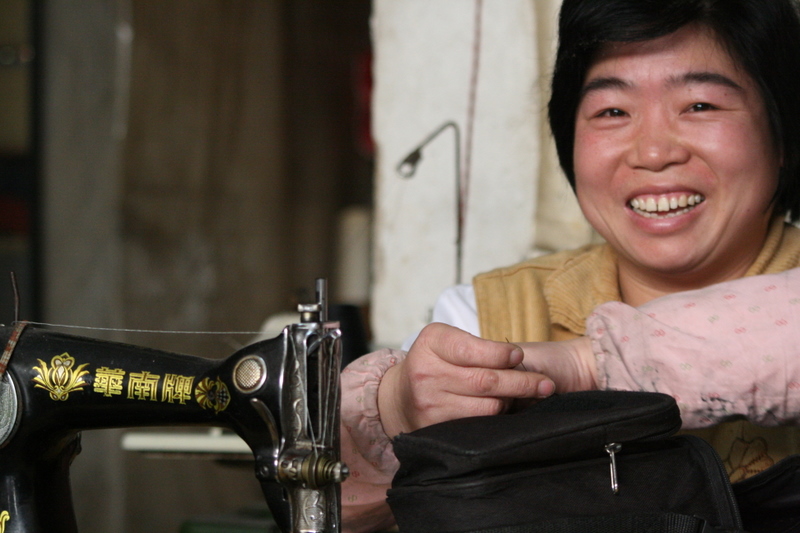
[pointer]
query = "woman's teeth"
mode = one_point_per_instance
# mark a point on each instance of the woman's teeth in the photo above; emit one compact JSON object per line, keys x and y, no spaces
{"x":665,"y":206}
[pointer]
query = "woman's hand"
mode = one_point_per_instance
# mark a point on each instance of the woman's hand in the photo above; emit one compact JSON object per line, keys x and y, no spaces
{"x":450,"y":374}
{"x":570,"y":364}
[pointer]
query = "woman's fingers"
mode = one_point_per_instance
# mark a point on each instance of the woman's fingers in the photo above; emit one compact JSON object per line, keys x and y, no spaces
{"x":451,"y":374}
{"x":459,"y":348}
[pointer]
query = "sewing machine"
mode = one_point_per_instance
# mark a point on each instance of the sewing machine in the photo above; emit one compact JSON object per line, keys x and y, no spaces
{"x":281,"y":396}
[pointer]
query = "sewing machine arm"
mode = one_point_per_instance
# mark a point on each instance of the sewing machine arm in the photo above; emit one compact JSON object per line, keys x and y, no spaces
{"x":280,"y":395}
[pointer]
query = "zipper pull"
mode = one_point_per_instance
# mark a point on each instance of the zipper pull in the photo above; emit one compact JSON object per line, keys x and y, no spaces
{"x":613,"y":449}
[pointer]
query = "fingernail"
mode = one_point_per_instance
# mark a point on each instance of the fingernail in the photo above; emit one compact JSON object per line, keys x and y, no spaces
{"x":545,"y":388}
{"x":515,"y":357}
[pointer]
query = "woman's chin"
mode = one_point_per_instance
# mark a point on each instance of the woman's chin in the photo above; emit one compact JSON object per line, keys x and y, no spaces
{"x":668,"y":262}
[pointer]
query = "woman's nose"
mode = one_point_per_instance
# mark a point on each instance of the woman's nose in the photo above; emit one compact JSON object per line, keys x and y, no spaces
{"x":656,"y":144}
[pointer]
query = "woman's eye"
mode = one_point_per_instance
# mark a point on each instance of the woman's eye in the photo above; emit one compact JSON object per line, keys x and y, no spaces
{"x":701,"y":106}
{"x":613,"y":112}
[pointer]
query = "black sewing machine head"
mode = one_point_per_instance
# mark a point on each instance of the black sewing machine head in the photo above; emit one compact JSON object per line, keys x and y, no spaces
{"x":280,"y":395}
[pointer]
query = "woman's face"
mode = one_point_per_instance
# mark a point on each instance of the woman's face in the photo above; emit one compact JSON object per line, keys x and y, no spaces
{"x":675,"y":165}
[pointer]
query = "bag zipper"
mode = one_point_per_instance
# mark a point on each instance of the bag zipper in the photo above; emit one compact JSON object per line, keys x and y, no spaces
{"x":612,"y":449}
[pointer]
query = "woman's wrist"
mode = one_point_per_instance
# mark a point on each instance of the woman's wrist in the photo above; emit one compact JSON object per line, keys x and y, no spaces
{"x":388,"y":408}
{"x":570,"y":364}
{"x":585,"y":361}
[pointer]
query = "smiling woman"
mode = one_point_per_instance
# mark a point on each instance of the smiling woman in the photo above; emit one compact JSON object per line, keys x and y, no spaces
{"x":674,"y":122}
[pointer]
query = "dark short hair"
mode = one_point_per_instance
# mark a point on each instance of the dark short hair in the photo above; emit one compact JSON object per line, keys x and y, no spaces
{"x":762,"y":36}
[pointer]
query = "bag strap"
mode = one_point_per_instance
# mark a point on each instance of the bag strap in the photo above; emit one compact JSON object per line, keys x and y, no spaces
{"x":638,"y":523}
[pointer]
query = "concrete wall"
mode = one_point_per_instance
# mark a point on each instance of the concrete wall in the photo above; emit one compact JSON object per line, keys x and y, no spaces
{"x":484,"y":65}
{"x":84,"y":115}
{"x":196,"y":156}
{"x":151,"y":221}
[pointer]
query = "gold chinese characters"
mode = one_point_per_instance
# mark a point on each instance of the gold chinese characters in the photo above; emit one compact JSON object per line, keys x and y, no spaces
{"x":61,"y":377}
{"x":143,"y":385}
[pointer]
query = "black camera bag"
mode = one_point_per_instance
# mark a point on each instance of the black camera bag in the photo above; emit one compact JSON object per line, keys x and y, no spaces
{"x":586,"y":462}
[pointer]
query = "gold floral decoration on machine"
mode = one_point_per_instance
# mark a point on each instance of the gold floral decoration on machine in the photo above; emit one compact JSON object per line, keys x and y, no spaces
{"x":212,"y":394}
{"x":61,"y":378}
{"x":4,"y":516}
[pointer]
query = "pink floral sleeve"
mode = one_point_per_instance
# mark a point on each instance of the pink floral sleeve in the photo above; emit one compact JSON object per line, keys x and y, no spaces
{"x":366,"y":449}
{"x":729,"y":349}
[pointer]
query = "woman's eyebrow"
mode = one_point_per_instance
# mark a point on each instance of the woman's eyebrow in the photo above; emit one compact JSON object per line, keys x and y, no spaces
{"x":599,"y":84}
{"x":701,"y":77}
{"x":689,"y":78}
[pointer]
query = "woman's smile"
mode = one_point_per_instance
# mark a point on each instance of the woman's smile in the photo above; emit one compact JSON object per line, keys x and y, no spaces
{"x":666,"y":205}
